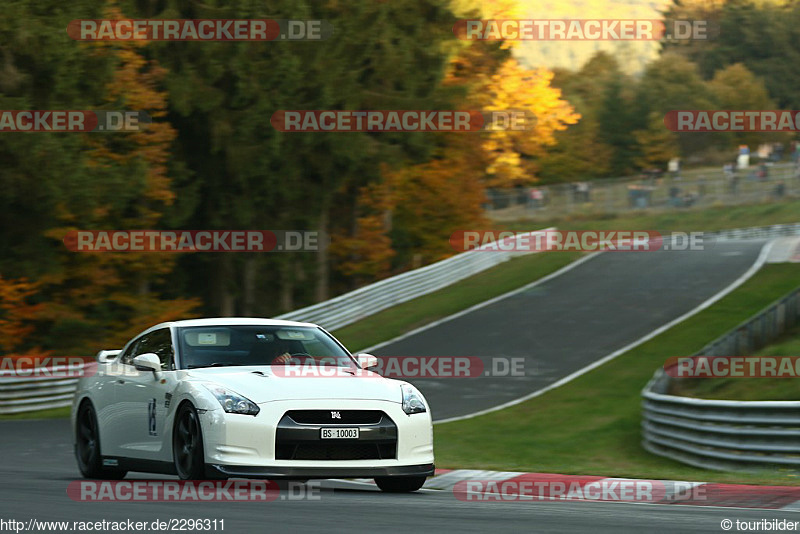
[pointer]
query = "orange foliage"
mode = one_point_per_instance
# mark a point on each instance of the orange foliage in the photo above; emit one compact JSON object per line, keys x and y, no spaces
{"x":111,"y":291}
{"x":434,"y":199}
{"x":368,"y":252}
{"x":16,"y":312}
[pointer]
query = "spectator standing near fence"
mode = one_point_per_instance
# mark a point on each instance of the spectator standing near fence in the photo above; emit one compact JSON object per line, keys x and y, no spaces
{"x":743,"y":161}
{"x":535,"y":198}
{"x":780,"y":189}
{"x":582,"y":190}
{"x":674,"y":167}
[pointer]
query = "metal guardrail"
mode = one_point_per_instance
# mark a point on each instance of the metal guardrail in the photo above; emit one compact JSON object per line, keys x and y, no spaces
{"x":726,"y":434}
{"x":757,"y":232}
{"x":369,"y":300}
{"x":53,"y":389}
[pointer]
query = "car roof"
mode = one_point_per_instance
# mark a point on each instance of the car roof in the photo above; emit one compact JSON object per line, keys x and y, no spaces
{"x":230,"y":321}
{"x":219,"y":321}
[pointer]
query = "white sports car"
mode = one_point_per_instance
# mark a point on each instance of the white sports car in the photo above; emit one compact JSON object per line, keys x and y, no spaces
{"x":218,"y":398}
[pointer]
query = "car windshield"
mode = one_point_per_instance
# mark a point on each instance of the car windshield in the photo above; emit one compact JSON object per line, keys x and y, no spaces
{"x":232,"y":345}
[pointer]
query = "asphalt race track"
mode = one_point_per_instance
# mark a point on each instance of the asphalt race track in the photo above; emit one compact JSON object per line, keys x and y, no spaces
{"x":570,"y":321}
{"x":558,"y":327}
{"x":38,"y":465}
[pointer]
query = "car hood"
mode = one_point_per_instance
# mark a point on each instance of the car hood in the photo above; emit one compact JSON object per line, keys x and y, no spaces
{"x":260,"y":384}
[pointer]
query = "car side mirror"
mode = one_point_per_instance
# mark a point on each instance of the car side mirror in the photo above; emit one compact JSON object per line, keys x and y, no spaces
{"x":147,"y":362}
{"x":366,"y":361}
{"x":107,"y":356}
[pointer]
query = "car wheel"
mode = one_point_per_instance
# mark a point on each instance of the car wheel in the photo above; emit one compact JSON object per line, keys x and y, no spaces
{"x":87,"y":447}
{"x":400,"y":484}
{"x":187,"y":444}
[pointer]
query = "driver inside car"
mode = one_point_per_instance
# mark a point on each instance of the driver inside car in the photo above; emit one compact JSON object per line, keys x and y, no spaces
{"x":282,"y":358}
{"x":276,"y":352}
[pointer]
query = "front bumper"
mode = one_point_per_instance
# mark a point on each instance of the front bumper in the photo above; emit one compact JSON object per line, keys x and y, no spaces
{"x":244,"y":445}
{"x":303,"y":473}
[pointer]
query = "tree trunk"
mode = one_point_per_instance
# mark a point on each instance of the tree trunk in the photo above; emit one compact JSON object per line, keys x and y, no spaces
{"x":323,"y":262}
{"x":249,"y":270}
{"x":222,"y":295}
{"x":287,"y":285}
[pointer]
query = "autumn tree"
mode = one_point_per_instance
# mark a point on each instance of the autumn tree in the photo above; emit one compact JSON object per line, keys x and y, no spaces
{"x":18,"y":316}
{"x":657,"y":144}
{"x":108,"y":296}
{"x":251,"y":176}
{"x":597,"y":145}
{"x":432,"y":199}
{"x":674,"y":83}
{"x":760,"y":34}
{"x":510,"y":151}
{"x":364,"y":253}
{"x":735,"y":87}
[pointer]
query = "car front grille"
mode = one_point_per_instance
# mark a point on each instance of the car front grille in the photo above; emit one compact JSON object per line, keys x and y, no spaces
{"x":336,"y":451}
{"x":327,"y":417}
{"x":298,"y":435}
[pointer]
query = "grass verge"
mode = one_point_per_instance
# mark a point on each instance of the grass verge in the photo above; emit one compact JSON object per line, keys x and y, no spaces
{"x":53,"y":413}
{"x":677,"y":220}
{"x":751,"y":388}
{"x":591,"y":426}
{"x":426,"y":309}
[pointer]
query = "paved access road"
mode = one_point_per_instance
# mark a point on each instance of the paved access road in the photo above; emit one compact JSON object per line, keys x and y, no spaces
{"x":572,"y":320}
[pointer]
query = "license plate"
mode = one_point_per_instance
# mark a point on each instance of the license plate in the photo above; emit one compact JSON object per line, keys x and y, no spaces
{"x":339,"y":433}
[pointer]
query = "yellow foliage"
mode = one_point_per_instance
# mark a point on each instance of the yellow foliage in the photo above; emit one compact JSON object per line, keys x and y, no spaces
{"x":516,"y":88}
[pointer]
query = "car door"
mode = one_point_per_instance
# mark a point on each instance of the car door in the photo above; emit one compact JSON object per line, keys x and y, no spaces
{"x":112,"y":418}
{"x":143,"y":399}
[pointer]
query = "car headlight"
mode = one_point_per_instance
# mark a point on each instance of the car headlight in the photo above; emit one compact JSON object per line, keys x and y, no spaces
{"x":231,"y":401}
{"x":412,"y":400}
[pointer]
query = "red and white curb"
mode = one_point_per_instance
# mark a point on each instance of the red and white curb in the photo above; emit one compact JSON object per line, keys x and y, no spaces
{"x":785,"y":249}
{"x":476,"y":486}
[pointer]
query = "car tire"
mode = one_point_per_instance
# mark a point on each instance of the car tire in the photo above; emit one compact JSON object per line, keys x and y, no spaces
{"x":400,"y":484}
{"x":187,"y":444}
{"x":87,"y":446}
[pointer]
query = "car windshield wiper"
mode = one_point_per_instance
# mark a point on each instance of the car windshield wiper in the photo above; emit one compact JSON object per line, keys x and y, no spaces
{"x":215,"y":364}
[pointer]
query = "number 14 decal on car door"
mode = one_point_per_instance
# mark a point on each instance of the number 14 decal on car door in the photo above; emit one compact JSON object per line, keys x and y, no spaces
{"x":151,"y":416}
